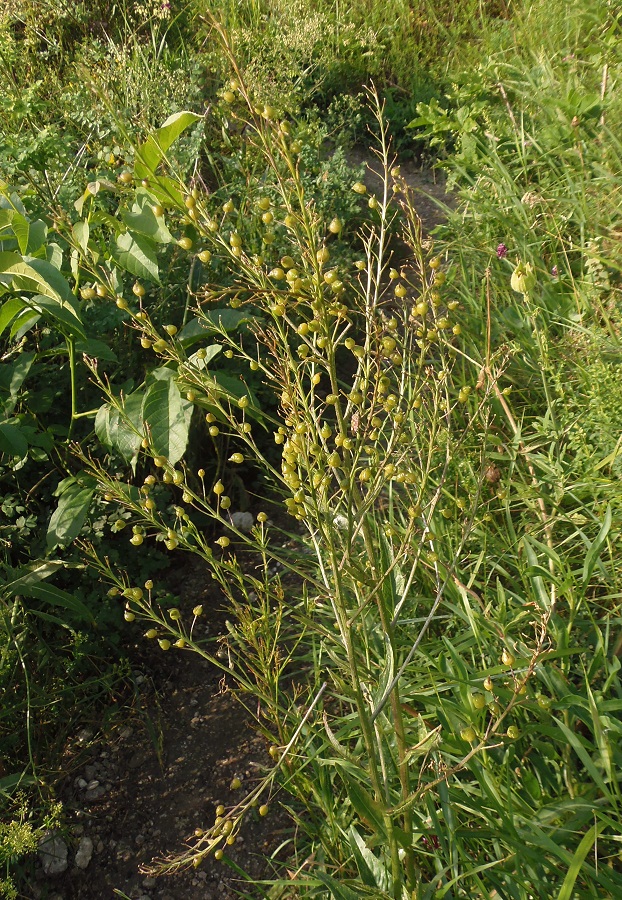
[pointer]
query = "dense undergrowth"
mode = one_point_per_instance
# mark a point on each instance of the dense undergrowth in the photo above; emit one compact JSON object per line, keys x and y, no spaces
{"x":437,"y":655}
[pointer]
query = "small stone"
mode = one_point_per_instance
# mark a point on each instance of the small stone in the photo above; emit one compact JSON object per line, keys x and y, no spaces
{"x":99,"y":847}
{"x":93,"y":784}
{"x":53,"y":853}
{"x":243,"y":521}
{"x":126,"y":733}
{"x":84,"y":736}
{"x":149,"y":882}
{"x":84,"y":852}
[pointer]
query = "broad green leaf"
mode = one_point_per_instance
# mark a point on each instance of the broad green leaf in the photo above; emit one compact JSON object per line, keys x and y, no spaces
{"x":64,"y":316}
{"x":18,"y":373}
{"x":54,"y":255}
{"x":142,"y":219}
{"x":167,"y":415}
{"x":201,"y":362}
{"x":9,"y":310}
{"x":69,"y":516}
{"x":21,"y":230}
{"x":96,"y":349}
{"x":12,"y":440}
{"x":23,"y":323}
{"x":81,"y":233}
{"x":37,"y":236}
{"x":122,"y":431}
{"x":33,"y":274}
{"x":593,"y":554}
{"x":137,"y":255}
{"x":152,"y":152}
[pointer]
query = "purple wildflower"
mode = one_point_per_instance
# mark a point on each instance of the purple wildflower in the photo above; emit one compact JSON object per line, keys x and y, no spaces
{"x":555,"y":272}
{"x":502,"y":251}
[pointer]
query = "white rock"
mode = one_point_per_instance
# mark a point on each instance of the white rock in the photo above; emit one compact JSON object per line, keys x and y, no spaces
{"x":243,"y":521}
{"x":84,"y":852}
{"x":53,"y":853}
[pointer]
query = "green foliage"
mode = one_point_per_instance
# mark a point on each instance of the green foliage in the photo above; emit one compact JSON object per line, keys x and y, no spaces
{"x":445,"y":619}
{"x":430,"y":627}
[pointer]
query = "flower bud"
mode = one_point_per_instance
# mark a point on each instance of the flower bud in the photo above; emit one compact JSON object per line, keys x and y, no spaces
{"x":523,"y":279}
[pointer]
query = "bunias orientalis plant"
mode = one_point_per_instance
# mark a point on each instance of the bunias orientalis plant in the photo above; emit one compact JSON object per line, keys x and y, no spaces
{"x":386,"y":686}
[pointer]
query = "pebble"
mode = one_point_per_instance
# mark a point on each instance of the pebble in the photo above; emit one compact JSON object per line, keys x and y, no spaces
{"x":93,"y":784}
{"x":53,"y":853}
{"x":149,"y":882}
{"x":243,"y":521}
{"x":84,"y":852}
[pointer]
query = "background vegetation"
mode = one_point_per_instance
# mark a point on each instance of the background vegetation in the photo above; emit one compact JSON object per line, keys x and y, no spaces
{"x":194,"y":279}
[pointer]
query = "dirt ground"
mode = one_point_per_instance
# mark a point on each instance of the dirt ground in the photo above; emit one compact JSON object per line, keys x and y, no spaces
{"x":138,"y":789}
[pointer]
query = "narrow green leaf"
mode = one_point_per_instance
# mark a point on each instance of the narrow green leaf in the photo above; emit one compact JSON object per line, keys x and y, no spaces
{"x":593,"y":553}
{"x":578,"y":859}
{"x":584,"y":756}
{"x":372,"y":870}
{"x":54,"y":596}
{"x":364,"y":804}
{"x":337,"y":891}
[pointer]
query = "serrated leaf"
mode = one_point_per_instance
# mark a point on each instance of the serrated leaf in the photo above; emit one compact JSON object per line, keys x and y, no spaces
{"x":137,"y":255}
